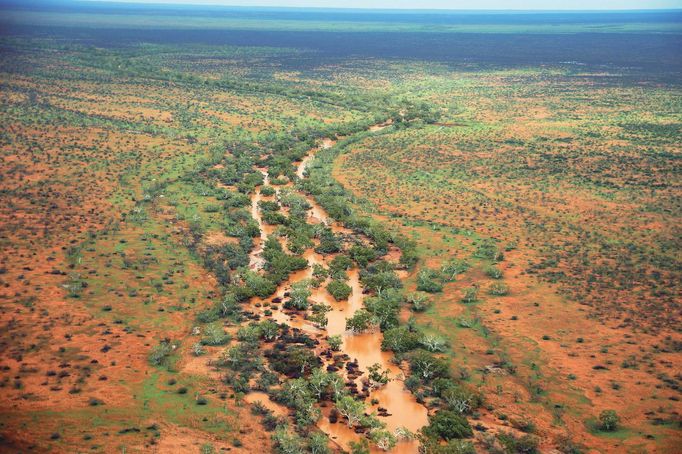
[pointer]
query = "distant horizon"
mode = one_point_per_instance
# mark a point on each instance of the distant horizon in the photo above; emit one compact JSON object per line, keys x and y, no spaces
{"x":407,"y":5}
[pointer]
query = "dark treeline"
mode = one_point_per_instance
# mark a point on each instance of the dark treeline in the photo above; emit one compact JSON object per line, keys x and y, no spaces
{"x":647,"y":53}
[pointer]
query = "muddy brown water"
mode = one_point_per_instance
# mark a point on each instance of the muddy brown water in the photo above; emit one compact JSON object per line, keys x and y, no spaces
{"x":403,"y":409}
{"x":256,"y":261}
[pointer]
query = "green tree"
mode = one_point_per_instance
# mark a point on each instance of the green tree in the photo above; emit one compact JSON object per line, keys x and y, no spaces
{"x":361,"y":321}
{"x":377,"y":376}
{"x":385,"y":308}
{"x":269,"y":329}
{"x":470,"y":295}
{"x":353,"y":410}
{"x":447,"y":425}
{"x":299,"y":294}
{"x":384,"y":439}
{"x":335,"y":342}
{"x":287,"y":442}
{"x":400,"y":340}
{"x":426,"y":366}
{"x":318,"y":443}
{"x":339,"y":290}
{"x":609,"y":420}
{"x":318,"y":382}
{"x":427,"y":281}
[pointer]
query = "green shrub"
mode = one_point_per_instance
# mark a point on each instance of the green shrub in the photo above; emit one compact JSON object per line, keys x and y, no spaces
{"x":470,"y":295}
{"x":279,"y":181}
{"x":447,"y":425}
{"x":329,"y":243}
{"x":258,"y":285}
{"x":494,"y":272}
{"x":452,"y":268}
{"x":487,"y":249}
{"x":499,"y":289}
{"x":335,"y":342}
{"x":454,"y":446}
{"x":295,"y":361}
{"x":608,"y":420}
{"x":339,"y":290}
{"x":340,"y":263}
{"x":526,"y":444}
{"x":400,"y":340}
{"x":362,"y":255}
{"x":207,"y":448}
{"x":215,"y":335}
{"x":361,"y":321}
{"x":419,"y":301}
{"x":267,"y":190}
{"x":427,"y":281}
{"x":159,"y":354}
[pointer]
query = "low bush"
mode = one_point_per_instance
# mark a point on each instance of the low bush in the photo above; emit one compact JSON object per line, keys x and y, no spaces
{"x":339,"y":290}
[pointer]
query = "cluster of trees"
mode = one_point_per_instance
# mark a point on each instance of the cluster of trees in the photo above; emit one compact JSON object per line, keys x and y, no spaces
{"x":292,"y":353}
{"x":304,"y":394}
{"x":339,"y":289}
{"x":429,"y":372}
{"x":335,"y":200}
{"x":298,"y":233}
{"x":430,"y":375}
{"x":279,"y":264}
{"x":307,"y":387}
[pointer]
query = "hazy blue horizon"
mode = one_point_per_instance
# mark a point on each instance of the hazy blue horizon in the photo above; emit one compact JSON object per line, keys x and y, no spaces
{"x":423,"y":5}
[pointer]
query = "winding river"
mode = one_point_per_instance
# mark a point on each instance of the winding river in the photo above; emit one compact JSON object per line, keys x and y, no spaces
{"x":402,"y":408}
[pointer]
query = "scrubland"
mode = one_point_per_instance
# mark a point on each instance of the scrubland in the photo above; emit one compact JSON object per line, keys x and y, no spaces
{"x":210,"y":246}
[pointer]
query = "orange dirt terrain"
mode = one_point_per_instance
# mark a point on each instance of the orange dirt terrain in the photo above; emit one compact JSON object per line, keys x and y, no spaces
{"x":90,"y":281}
{"x":580,"y":198}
